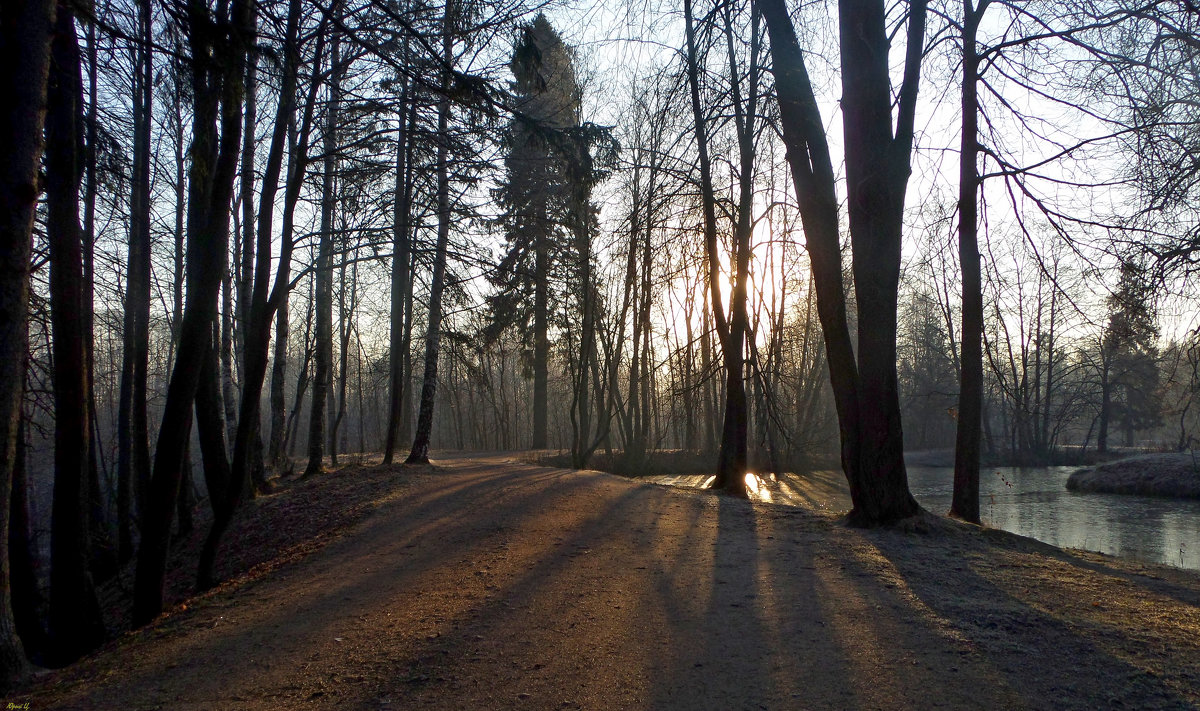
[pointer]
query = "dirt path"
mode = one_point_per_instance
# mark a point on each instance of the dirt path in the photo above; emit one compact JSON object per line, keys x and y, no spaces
{"x":493,"y":584}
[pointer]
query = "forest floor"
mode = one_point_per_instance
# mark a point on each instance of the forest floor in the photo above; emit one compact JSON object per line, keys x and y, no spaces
{"x":487,"y":583}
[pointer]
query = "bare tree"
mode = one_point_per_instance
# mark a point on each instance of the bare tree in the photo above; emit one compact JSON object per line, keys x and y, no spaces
{"x":877,"y":170}
{"x":216,"y":92}
{"x":420,"y":448}
{"x":76,"y":624}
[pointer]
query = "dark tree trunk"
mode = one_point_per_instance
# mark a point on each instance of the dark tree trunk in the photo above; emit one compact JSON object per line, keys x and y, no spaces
{"x":302,"y":374}
{"x":105,"y":558}
{"x":731,"y":461}
{"x":223,"y":489}
{"x":965,"y":502}
{"x":216,"y":93}
{"x":406,"y":412}
{"x":247,"y":449}
{"x":401,"y":253}
{"x":583,"y":445}
{"x":420,"y":447}
{"x":228,"y":403}
{"x":324,"y":276}
{"x":25,"y":35}
{"x":734,"y":428}
{"x":26,"y":597}
{"x":541,"y":338}
{"x":76,"y":624}
{"x":865,"y":393}
{"x":277,"y":452}
{"x":1105,"y":413}
{"x":278,"y":301}
{"x":877,"y":170}
{"x":346,"y":292}
{"x":245,"y":241}
{"x":133,"y":431}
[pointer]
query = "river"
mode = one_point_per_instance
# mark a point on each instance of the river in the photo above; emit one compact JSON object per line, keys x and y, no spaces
{"x":1031,"y":501}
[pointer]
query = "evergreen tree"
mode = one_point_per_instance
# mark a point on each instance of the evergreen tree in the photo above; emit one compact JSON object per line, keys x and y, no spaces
{"x":1129,"y":358}
{"x":535,"y":198}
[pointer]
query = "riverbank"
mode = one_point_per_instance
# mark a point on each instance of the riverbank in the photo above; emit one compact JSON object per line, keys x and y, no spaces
{"x":1175,"y":475}
{"x":489,"y":583}
{"x":671,"y":462}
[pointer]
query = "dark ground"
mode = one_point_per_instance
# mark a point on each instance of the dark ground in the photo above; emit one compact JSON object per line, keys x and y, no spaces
{"x":486,"y":583}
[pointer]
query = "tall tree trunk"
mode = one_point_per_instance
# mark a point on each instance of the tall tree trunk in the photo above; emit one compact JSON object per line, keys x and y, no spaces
{"x":26,"y":596}
{"x":133,"y":428}
{"x":105,"y":558}
{"x":877,"y":170}
{"x":223,"y":490}
{"x":731,"y":456}
{"x":76,"y":624}
{"x":302,"y":377}
{"x":216,"y":94}
{"x":731,"y":461}
{"x":247,"y":449}
{"x":865,"y":394}
{"x":25,"y":35}
{"x":186,"y":501}
{"x":224,"y":342}
{"x":406,"y":411}
{"x":277,"y":452}
{"x":324,"y":276}
{"x":401,"y":253}
{"x":348,"y":290}
{"x":965,"y":500}
{"x":582,"y":446}
{"x":1106,"y":408}
{"x":245,"y":268}
{"x":541,"y":338}
{"x":420,"y":447}
{"x":247,"y":461}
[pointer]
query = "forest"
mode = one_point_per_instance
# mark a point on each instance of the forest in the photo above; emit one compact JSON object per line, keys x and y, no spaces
{"x":247,"y":240}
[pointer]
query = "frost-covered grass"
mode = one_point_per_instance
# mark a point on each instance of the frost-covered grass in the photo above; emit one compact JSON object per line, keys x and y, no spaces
{"x":1175,"y":475}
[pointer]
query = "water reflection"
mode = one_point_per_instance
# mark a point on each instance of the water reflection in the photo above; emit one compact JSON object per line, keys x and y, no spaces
{"x":1031,"y":501}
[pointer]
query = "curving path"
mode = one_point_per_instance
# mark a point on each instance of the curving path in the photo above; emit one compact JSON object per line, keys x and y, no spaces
{"x":493,"y":584}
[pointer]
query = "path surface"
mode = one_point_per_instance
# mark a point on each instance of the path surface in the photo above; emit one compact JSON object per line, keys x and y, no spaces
{"x":492,"y":584}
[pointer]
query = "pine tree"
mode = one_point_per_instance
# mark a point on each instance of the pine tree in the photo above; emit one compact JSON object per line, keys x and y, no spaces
{"x":534,"y":196}
{"x":1129,"y":358}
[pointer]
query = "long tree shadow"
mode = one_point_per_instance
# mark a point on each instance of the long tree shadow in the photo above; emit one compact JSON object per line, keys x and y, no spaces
{"x":1047,"y":652}
{"x":496,"y":501}
{"x":707,"y":597}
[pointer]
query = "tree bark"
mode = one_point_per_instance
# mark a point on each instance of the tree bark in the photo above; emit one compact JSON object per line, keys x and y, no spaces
{"x":731,"y":461}
{"x":277,"y":453}
{"x":541,"y":338}
{"x":278,"y":301}
{"x":401,"y":253}
{"x":1105,"y":413}
{"x":216,"y":93}
{"x":731,"y":457}
{"x":260,"y":307}
{"x":133,"y":429}
{"x":965,"y":499}
{"x":26,"y":597}
{"x":877,"y":164}
{"x":105,"y":557}
{"x":245,"y":268}
{"x":76,"y":624}
{"x":420,"y":447}
{"x":25,"y":35}
{"x":877,"y":168}
{"x":324,"y":276}
{"x":223,"y":490}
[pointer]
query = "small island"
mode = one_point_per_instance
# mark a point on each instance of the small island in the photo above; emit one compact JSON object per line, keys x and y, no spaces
{"x":1175,"y":475}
